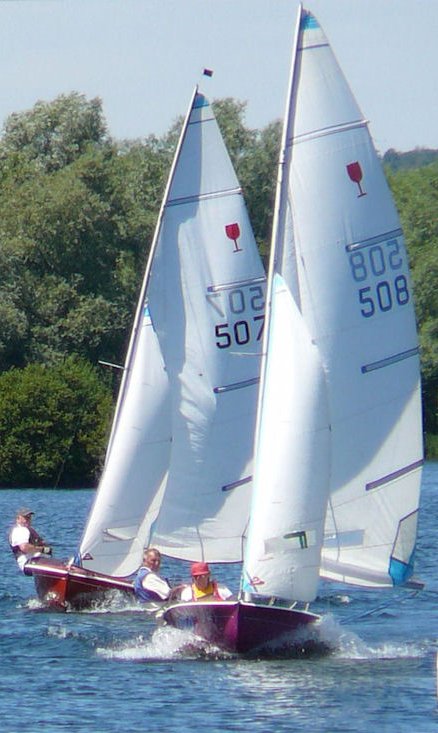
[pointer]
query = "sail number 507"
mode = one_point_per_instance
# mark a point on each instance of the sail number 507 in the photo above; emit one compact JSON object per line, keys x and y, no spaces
{"x":239,"y":332}
{"x":245,"y":327}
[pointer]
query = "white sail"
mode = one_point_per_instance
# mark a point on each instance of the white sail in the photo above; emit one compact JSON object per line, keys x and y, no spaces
{"x":136,"y":464}
{"x":183,"y":431}
{"x":353,"y":289}
{"x":292,"y":465}
{"x":206,"y":298}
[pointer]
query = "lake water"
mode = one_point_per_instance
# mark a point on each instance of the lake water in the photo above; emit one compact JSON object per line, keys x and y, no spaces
{"x":113,"y":671}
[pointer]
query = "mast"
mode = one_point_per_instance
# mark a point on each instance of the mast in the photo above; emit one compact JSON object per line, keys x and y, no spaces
{"x":280,"y":207}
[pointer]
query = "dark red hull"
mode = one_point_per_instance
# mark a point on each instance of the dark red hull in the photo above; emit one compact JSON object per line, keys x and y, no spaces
{"x":242,"y":627}
{"x":61,"y":586}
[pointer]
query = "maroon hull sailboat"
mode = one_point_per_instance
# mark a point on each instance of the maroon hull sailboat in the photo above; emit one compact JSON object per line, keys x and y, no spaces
{"x":242,"y":627}
{"x":61,"y":586}
{"x":189,"y":383}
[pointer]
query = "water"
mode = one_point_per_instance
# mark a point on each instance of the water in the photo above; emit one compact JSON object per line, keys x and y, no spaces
{"x":113,"y":671}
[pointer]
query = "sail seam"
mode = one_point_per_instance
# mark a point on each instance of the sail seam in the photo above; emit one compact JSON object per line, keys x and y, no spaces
{"x":389,"y":360}
{"x":394,"y":475}
{"x":236,"y":385}
{"x":393,"y":234}
{"x":203,"y":197}
{"x":324,"y":131}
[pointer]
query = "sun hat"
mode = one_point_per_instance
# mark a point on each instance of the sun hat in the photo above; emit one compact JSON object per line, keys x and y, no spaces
{"x":24,"y":511}
{"x":199,"y":568}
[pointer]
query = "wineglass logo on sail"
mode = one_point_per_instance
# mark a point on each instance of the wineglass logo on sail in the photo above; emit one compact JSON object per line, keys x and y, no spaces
{"x":233,"y":232}
{"x":355,"y":173}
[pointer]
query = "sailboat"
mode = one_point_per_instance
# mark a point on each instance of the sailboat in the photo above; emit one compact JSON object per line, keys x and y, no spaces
{"x":180,"y":452}
{"x":338,"y":445}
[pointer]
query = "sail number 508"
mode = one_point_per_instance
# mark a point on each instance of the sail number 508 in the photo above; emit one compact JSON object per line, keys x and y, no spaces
{"x":373,"y":262}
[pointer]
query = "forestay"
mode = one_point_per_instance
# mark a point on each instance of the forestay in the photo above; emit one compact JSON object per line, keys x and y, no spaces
{"x":354,"y":292}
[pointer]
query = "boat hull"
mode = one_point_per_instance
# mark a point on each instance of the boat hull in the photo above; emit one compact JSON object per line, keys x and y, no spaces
{"x":242,"y":627}
{"x":61,"y":586}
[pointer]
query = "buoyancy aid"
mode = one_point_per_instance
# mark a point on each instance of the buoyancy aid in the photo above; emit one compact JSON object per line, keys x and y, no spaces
{"x":144,"y":594}
{"x":34,"y":539}
{"x":211,"y":591}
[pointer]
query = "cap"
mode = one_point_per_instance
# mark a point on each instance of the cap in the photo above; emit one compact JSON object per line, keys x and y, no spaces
{"x":199,"y":568}
{"x":24,"y":511}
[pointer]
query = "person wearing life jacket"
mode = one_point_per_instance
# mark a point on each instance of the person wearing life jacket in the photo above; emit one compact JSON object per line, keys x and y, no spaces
{"x":149,"y":586}
{"x":203,"y":588}
{"x":24,"y":540}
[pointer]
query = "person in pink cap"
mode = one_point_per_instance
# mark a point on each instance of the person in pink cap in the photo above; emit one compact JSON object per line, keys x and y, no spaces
{"x":203,"y":588}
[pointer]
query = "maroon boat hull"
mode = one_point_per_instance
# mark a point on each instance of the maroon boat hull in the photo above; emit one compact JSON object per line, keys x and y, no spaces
{"x":242,"y":627}
{"x":61,"y":586}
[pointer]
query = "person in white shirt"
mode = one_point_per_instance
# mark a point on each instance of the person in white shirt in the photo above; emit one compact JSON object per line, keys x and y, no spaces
{"x":24,"y":540}
{"x":149,"y":586}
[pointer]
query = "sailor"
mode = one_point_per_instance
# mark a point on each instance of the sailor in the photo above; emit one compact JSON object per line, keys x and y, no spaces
{"x":149,"y":585}
{"x":203,"y":588}
{"x":24,"y":540}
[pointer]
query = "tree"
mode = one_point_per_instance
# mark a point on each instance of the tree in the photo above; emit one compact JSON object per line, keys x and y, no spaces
{"x":77,"y":215}
{"x":416,"y":195}
{"x":54,"y":134}
{"x":53,"y":422}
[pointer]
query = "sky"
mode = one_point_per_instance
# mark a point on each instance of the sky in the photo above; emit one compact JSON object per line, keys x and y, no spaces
{"x":144,"y":57}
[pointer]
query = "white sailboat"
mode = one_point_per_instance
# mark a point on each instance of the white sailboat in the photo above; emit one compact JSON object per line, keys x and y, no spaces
{"x":338,"y":451}
{"x":179,"y":462}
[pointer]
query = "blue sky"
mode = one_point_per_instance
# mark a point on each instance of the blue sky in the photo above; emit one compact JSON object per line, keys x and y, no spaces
{"x":143,"y":57}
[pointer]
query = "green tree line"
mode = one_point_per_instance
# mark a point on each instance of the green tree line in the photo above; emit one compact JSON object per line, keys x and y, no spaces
{"x":77,"y":215}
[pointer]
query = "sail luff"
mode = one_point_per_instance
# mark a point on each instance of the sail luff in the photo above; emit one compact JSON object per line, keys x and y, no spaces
{"x":278,"y":223}
{"x":282,"y":189}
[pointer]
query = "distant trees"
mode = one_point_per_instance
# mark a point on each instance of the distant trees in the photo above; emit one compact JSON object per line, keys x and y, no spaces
{"x":53,"y":422}
{"x":416,"y":194}
{"x":77,"y":216}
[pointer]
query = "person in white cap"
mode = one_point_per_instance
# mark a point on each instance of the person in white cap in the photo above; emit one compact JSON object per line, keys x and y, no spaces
{"x":24,"y":540}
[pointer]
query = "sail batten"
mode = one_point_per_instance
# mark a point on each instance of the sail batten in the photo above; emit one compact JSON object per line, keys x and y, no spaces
{"x":322,"y":132}
{"x":203,"y":197}
{"x":390,"y":360}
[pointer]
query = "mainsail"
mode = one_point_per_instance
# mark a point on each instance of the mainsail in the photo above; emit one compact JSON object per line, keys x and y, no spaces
{"x":338,"y":249}
{"x":178,"y":470}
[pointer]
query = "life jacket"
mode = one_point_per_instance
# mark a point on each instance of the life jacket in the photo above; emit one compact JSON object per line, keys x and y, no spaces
{"x":34,"y":539}
{"x":143,"y":594}
{"x":212,"y":591}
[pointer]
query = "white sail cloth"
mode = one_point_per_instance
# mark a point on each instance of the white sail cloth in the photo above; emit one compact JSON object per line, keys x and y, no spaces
{"x":339,"y":248}
{"x":178,"y":471}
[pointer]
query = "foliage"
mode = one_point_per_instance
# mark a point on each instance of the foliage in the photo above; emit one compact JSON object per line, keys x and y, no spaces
{"x":395,"y":161}
{"x":52,"y":424}
{"x":77,"y":216}
{"x":416,"y":194}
